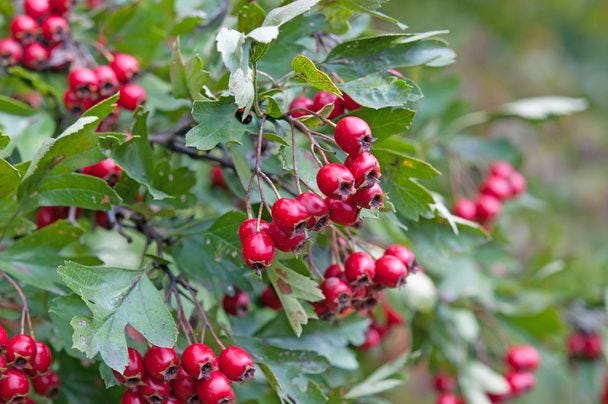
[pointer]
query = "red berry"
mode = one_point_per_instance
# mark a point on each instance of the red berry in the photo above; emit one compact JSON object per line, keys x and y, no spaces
{"x":60,"y":7}
{"x":47,"y":384}
{"x":392,"y":317}
{"x":466,"y":209}
{"x":390,"y":272}
{"x":373,"y":338}
{"x":316,"y":208}
{"x":344,"y":213}
{"x":35,"y":56}
{"x":125,"y":66}
{"x":284,"y":241}
{"x":161,"y":363}
{"x":501,"y":169}
{"x":132,"y":397}
{"x":369,"y":198}
{"x":359,"y":268}
{"x":324,"y":98}
{"x":349,"y":103}
{"x":334,"y":271}
{"x":593,"y":346}
{"x":258,"y":250}
{"x":50,"y":214}
{"x":215,"y":389}
{"x":184,"y":386}
{"x":24,"y":29}
{"x":336,"y":181}
{"x":55,"y":29}
{"x":497,"y":187}
{"x":37,"y":9}
{"x":523,"y":358}
{"x":83,"y":82}
{"x":106,"y":169}
{"x":236,"y":364}
{"x":131,"y":96}
{"x":576,"y":344}
{"x":444,"y":383}
{"x":11,"y":52}
{"x":323,"y":311}
{"x":270,"y":299}
{"x":106,"y":80}
{"x":404,"y":254}
{"x":237,"y":304}
{"x":520,"y":382}
{"x":364,"y":297}
{"x":199,"y":361}
{"x":155,"y":391}
{"x":337,"y":293}
{"x":448,"y":398}
{"x":217,"y":177}
{"x":102,"y":220}
{"x":3,"y":339}
{"x":75,"y":105}
{"x":250,"y":226}
{"x":289,"y":215}
{"x":21,"y":351}
{"x":134,"y":372}
{"x":518,"y":184}
{"x":365,"y":169}
{"x":13,"y":386}
{"x":300,"y":103}
{"x":487,"y":208}
{"x":42,"y":359}
{"x":353,"y":135}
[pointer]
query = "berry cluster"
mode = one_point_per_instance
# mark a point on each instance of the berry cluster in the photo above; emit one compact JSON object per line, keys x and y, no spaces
{"x":199,"y":376}
{"x":376,"y":332}
{"x":522,"y":361}
{"x":23,"y":358}
{"x":503,"y":183}
{"x":38,"y":36}
{"x":300,"y":105}
{"x":585,"y":345}
{"x":86,"y":87}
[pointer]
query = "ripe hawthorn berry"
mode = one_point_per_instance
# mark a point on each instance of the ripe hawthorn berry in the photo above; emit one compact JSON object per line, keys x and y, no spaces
{"x":134,"y":371}
{"x":501,"y":169}
{"x":523,"y":358}
{"x":289,"y":215}
{"x":365,"y":169}
{"x":345,"y":213}
{"x":498,"y":187}
{"x":334,"y":271}
{"x":359,"y":268}
{"x":284,"y":241}
{"x":37,"y":9}
{"x":316,"y":208}
{"x":404,"y":254}
{"x":35,"y":56}
{"x":337,"y":293}
{"x":390,"y":272}
{"x":21,"y":351}
{"x":236,"y":364}
{"x":250,"y":226}
{"x":11,"y":52}
{"x":520,"y":382}
{"x":487,"y":208}
{"x":324,"y":98}
{"x":183,"y":386}
{"x":466,"y":209}
{"x":47,"y":384}
{"x":444,"y":383}
{"x":13,"y":386}
{"x":131,"y":96}
{"x":132,"y":397}
{"x":199,"y":361}
{"x":353,"y":135}
{"x":155,"y":391}
{"x":448,"y":398}
{"x":323,"y":311}
{"x":54,"y":29}
{"x":106,"y":169}
{"x":47,"y":215}
{"x":161,"y":363}
{"x":125,"y":66}
{"x":364,"y":297}
{"x":270,"y":299}
{"x":518,"y":184}
{"x":300,"y":103}
{"x":102,"y":220}
{"x":24,"y":29}
{"x":258,"y":250}
{"x":3,"y":340}
{"x":217,"y":177}
{"x":349,"y":103}
{"x":60,"y":7}
{"x":106,"y":80}
{"x":83,"y":82}
{"x":42,"y":359}
{"x":215,"y":389}
{"x":237,"y":304}
{"x":75,"y":105}
{"x":369,"y":198}
{"x":592,"y":346}
{"x":336,"y":181}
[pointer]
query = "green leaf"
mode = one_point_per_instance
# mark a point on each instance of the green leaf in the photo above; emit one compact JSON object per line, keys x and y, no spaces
{"x":306,"y":70}
{"x":116,"y":297}
{"x":4,"y":140}
{"x":386,"y":122}
{"x":281,"y":15}
{"x":61,"y":310}
{"x":381,"y":90}
{"x":406,"y":165}
{"x":250,"y":16}
{"x":187,"y":79}
{"x":9,"y":178}
{"x":216,"y":123}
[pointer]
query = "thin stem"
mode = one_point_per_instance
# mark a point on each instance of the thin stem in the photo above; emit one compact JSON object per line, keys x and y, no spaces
{"x":206,"y":319}
{"x":25,"y":311}
{"x":325,"y":120}
{"x":269,"y":182}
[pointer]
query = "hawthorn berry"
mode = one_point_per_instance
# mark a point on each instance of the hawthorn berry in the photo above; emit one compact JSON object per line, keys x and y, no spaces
{"x":47,"y":215}
{"x":316,"y":208}
{"x":155,"y":391}
{"x":336,"y":181}
{"x":75,"y":105}
{"x":337,"y":293}
{"x":284,"y":241}
{"x":37,"y":9}
{"x":593,"y":346}
{"x":576,"y":344}
{"x":258,"y":250}
{"x":405,"y":255}
{"x":134,"y":371}
{"x":199,"y":361}
{"x":13,"y":386}
{"x":270,"y":299}
{"x":83,"y":82}
{"x":11,"y":52}
{"x":289,"y":215}
{"x":324,"y":98}
{"x":364,"y":297}
{"x":43,"y":358}
{"x":466,"y":209}
{"x":125,"y":66}
{"x":392,"y":317}
{"x":501,"y":169}
{"x":106,"y":169}
{"x":215,"y":389}
{"x":448,"y":398}
{"x":131,"y":96}
{"x":21,"y":351}
{"x":487,"y":208}
{"x":359,"y":268}
{"x":35,"y":56}
{"x":237,"y":304}
{"x":353,"y":135}
{"x":344,"y":213}
{"x":349,"y":103}
{"x":236,"y":364}
{"x":373,"y":338}
{"x":369,"y":198}
{"x":54,"y":29}
{"x":183,"y":386}
{"x":60,"y":7}
{"x":161,"y":363}
{"x":47,"y":384}
{"x":497,"y":187}
{"x":132,"y":397}
{"x":523,"y":358}
{"x":520,"y":382}
{"x":217,"y":177}
{"x":334,"y":271}
{"x":3,"y":339}
{"x":106,"y":80}
{"x":323,"y":311}
{"x":444,"y":383}
{"x":250,"y":226}
{"x":300,"y":103}
{"x":365,"y":169}
{"x":24,"y":29}
{"x":390,"y":272}
{"x":518,"y":184}
{"x":102,"y":220}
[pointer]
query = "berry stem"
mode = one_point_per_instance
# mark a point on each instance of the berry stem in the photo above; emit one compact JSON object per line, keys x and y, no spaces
{"x":294,"y":160}
{"x":25,"y":311}
{"x":313,"y":113}
{"x":205,"y":318}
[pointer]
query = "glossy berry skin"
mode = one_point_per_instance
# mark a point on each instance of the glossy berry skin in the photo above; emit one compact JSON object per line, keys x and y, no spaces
{"x":35,"y":56}
{"x":501,"y":169}
{"x":131,"y":96}
{"x":3,"y":340}
{"x":250,"y":226}
{"x":237,"y":304}
{"x":349,"y":103}
{"x":155,"y":391}
{"x":161,"y":363}
{"x":106,"y":169}
{"x":217,"y":177}
{"x":334,"y":271}
{"x":284,"y":241}
{"x":520,"y":382}
{"x":518,"y":184}
{"x":466,"y":209}
{"x":365,"y":169}
{"x":300,"y":103}
{"x":444,"y":383}
{"x":13,"y":386}
{"x":50,"y":214}
{"x":134,"y":371}
{"x":106,"y":80}
{"x":404,"y":254}
{"x":316,"y":208}
{"x":336,"y":181}
{"x":83,"y":82}
{"x":47,"y":384}
{"x":269,"y":299}
{"x":523,"y":358}
{"x":337,"y":293}
{"x":24,"y":29}
{"x":11,"y":52}
{"x":215,"y":389}
{"x":497,"y":187}
{"x":258,"y":250}
{"x":369,"y":198}
{"x":344,"y":213}
{"x":37,"y":9}
{"x":324,"y":98}
{"x":21,"y":351}
{"x":54,"y":29}
{"x":236,"y":364}
{"x":359,"y":268}
{"x":132,"y":397}
{"x":43,"y":358}
{"x":390,"y":272}
{"x":183,"y":386}
{"x":125,"y":66}
{"x":290,"y":215}
{"x":199,"y":361}
{"x":60,"y":7}
{"x":353,"y":135}
{"x":448,"y":398}
{"x":487,"y":208}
